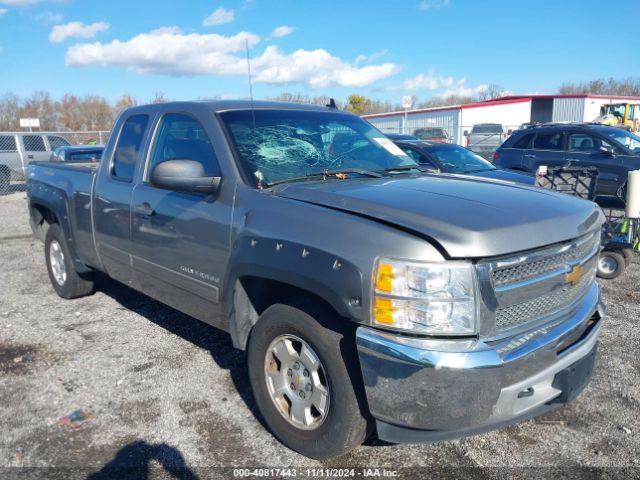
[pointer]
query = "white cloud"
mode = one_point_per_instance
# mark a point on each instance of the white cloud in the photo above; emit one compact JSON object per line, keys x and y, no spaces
{"x":219,"y":17}
{"x":316,"y":68}
{"x":76,"y":29}
{"x":427,"y":81}
{"x":433,"y":4}
{"x":19,"y":3}
{"x":49,"y":17}
{"x":444,"y":86}
{"x":371,"y":58}
{"x":461,"y":90}
{"x":282,"y":31}
{"x":3,"y":11}
{"x":168,"y":51}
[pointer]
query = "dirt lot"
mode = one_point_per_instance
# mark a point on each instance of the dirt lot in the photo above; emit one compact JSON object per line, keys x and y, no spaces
{"x":165,"y":393}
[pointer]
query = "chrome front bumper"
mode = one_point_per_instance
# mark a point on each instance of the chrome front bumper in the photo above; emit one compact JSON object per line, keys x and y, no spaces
{"x":426,"y":390}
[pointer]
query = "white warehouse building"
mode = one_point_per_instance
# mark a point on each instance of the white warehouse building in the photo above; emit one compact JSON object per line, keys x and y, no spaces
{"x":511,"y":112}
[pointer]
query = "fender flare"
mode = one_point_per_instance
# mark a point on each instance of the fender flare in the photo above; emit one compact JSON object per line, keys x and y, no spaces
{"x":331,"y":278}
{"x":57,"y":203}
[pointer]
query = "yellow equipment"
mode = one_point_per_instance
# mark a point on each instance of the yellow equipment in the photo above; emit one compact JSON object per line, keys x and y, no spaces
{"x":624,"y":115}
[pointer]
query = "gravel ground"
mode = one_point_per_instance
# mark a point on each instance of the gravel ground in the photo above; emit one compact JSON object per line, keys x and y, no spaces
{"x":168,"y":392}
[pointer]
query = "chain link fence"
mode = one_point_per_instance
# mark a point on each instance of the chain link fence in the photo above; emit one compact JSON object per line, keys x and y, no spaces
{"x":481,"y":138}
{"x":18,"y":149}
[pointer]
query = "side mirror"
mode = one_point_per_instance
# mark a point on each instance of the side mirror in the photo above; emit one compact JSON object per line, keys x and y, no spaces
{"x":510,"y":131}
{"x":608,"y":150}
{"x":465,"y":133}
{"x":183,"y":176}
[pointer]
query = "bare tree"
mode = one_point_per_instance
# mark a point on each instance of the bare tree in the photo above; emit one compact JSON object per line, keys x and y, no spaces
{"x":627,"y":86}
{"x":159,"y":97}
{"x":69,"y":116}
{"x":125,"y":101}
{"x":9,"y":112}
{"x":491,"y":92}
{"x":39,"y":105}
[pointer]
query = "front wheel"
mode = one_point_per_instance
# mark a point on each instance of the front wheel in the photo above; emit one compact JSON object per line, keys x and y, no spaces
{"x":611,"y":264}
{"x":305,"y":379}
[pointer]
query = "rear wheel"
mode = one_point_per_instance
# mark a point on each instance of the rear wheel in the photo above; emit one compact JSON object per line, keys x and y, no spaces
{"x":611,"y":264}
{"x":303,"y":377}
{"x":66,"y":281}
{"x":5,"y":180}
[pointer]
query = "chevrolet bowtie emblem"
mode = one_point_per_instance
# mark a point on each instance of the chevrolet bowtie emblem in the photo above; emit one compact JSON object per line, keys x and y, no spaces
{"x":574,"y":276}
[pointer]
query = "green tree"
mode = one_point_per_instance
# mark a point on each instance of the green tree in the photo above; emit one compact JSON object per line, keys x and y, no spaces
{"x":358,"y":104}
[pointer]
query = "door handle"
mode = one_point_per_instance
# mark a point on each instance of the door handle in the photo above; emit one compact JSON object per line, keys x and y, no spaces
{"x":144,"y":210}
{"x":529,"y":155}
{"x":30,"y":157}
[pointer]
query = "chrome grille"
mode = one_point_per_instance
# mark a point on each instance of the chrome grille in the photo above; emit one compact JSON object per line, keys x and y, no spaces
{"x":540,"y":307}
{"x":546,"y":264}
{"x":533,"y":285}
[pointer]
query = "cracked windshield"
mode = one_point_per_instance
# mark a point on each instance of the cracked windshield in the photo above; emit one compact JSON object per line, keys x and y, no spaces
{"x":275,"y":146}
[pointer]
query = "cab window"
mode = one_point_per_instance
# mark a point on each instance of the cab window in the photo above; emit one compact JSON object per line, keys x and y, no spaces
{"x":127,"y":149}
{"x":56,"y":141}
{"x":182,"y":137}
{"x":33,"y":143}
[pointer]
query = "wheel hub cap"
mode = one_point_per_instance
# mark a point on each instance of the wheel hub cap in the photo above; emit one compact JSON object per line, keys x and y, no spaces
{"x":56,"y":259}
{"x":608,"y":265}
{"x":296,"y":382}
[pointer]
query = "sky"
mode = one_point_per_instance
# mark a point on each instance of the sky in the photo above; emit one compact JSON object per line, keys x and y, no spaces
{"x":383,"y":49}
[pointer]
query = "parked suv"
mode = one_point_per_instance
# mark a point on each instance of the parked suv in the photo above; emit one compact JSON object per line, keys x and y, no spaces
{"x":17,"y":150}
{"x":612,"y":150}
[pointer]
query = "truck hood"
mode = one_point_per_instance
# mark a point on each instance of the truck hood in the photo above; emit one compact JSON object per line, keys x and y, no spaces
{"x":467,"y":217}
{"x":506,"y":175}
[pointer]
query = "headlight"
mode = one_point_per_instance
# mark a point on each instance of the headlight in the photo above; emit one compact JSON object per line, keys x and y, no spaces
{"x":426,"y":298}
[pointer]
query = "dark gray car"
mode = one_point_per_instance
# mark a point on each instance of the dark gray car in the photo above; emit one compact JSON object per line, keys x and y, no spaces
{"x":449,"y":158}
{"x":369,"y":295}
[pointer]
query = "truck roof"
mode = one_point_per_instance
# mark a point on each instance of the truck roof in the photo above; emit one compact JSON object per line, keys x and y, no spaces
{"x":223,"y":105}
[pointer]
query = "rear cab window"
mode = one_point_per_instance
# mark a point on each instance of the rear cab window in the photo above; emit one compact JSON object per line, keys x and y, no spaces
{"x":33,"y":143}
{"x":8,"y":143}
{"x":127,"y":151}
{"x":55,"y":141}
{"x":487,"y":128}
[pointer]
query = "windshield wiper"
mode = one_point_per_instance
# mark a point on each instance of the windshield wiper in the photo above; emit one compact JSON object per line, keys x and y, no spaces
{"x":404,"y":168}
{"x":340,"y":173}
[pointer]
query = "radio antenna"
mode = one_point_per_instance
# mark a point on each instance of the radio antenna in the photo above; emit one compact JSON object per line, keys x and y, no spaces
{"x":253,"y":113}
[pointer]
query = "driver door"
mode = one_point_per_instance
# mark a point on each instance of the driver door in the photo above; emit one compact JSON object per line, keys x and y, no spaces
{"x":180,"y":240}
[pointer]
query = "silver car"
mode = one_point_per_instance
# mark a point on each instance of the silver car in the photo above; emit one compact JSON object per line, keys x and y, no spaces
{"x":17,"y":150}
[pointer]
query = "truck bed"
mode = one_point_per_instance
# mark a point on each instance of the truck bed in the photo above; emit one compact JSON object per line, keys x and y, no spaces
{"x":67,"y":188}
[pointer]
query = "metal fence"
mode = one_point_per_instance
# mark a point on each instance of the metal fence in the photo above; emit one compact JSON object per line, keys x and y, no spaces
{"x":18,"y":149}
{"x":481,"y":138}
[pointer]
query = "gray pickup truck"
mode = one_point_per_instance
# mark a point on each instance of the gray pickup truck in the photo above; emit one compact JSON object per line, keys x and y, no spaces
{"x":371,"y":296}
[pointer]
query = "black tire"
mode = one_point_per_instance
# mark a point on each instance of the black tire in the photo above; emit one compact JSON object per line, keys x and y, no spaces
{"x":74,"y":285}
{"x":617,"y":264}
{"x":345,"y":426}
{"x":5,"y":180}
{"x":628,"y":254}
